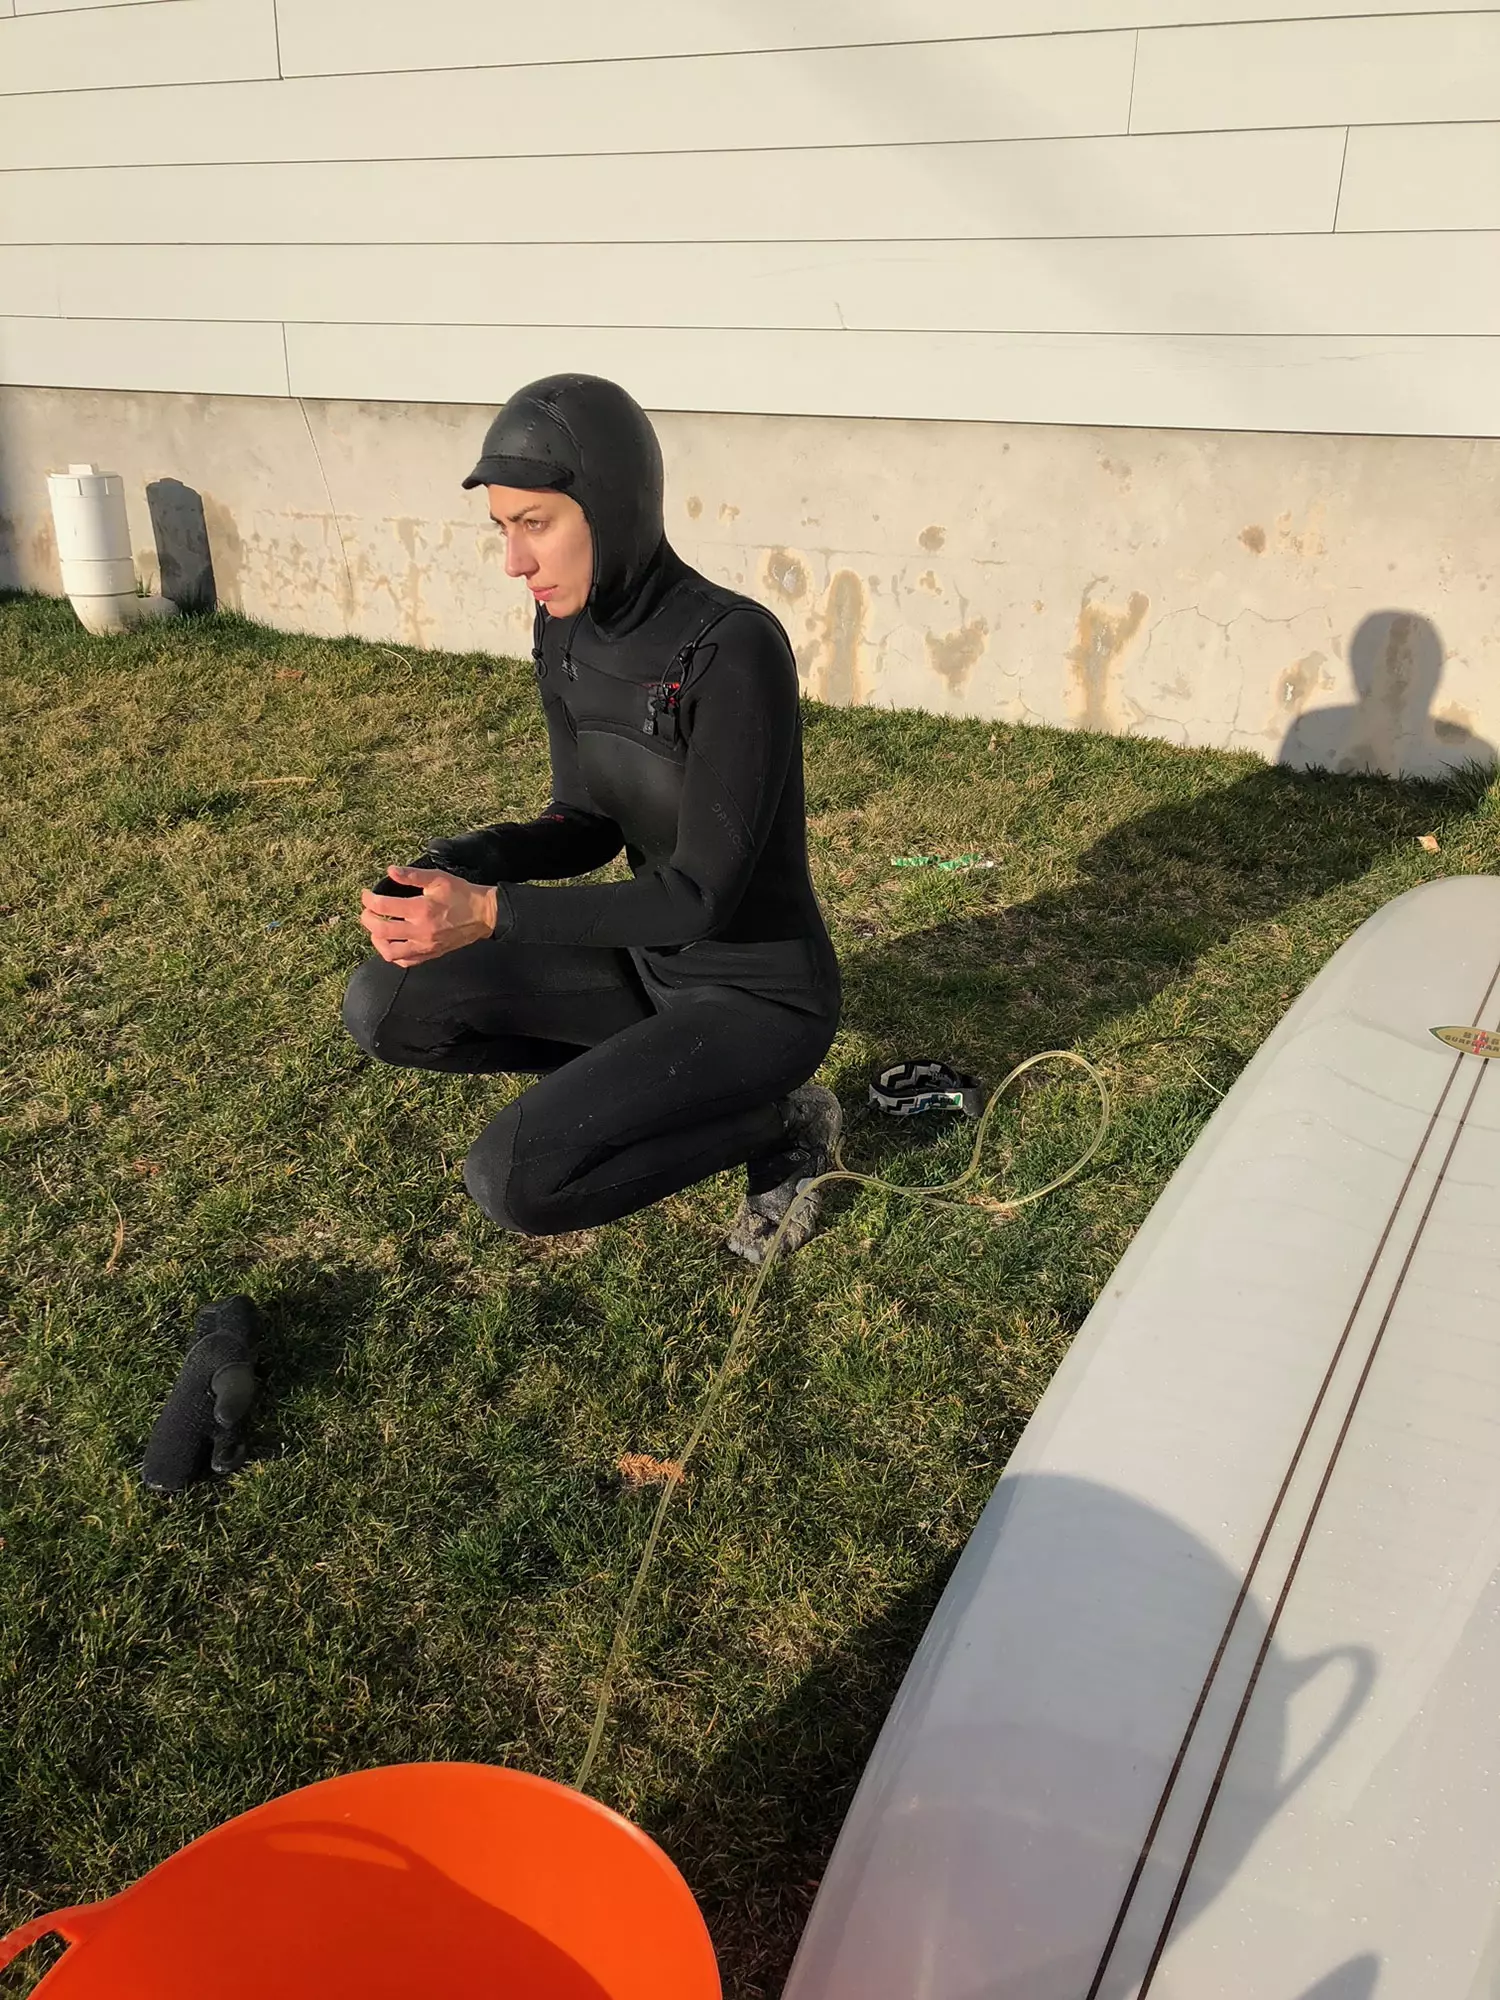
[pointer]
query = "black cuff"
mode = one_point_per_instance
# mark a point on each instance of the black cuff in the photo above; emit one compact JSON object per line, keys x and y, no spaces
{"x":505,"y":916}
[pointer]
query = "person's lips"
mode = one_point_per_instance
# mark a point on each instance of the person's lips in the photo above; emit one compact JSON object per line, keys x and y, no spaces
{"x":542,"y":595}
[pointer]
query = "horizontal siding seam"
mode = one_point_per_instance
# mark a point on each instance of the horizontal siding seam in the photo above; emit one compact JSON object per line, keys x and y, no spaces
{"x":723,"y":152}
{"x":719,"y":327}
{"x":113,"y":7}
{"x":719,"y":242}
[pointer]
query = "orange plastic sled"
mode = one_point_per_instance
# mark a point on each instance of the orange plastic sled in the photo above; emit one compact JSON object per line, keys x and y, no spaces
{"x":415,"y":1880}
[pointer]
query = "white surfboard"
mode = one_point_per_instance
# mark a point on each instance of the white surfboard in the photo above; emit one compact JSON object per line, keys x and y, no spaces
{"x":1210,"y":1709}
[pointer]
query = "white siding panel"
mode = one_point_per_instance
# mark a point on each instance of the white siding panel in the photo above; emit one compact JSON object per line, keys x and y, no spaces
{"x":1432,"y":387}
{"x":150,"y":126}
{"x":143,"y":354}
{"x":1364,"y":72}
{"x":1032,"y":88}
{"x":31,"y":281}
{"x":74,"y":6}
{"x":186,"y":41}
{"x":1422,"y":177}
{"x":1208,"y":183}
{"x":1447,"y":283}
{"x":334,"y":37}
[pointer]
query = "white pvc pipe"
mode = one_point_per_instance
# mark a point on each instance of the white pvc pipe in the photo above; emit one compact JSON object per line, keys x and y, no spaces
{"x":93,"y":550}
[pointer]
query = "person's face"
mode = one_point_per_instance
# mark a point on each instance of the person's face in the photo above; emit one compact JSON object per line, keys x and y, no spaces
{"x":547,"y":541}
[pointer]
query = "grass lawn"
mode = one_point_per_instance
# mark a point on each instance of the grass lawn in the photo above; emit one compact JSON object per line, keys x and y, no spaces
{"x":427,"y":1557}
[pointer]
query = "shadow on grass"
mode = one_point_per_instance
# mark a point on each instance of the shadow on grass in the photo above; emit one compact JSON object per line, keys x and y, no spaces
{"x":753,"y":1829}
{"x":1150,"y":899}
{"x":1014,"y":1788}
{"x":313,"y":1316}
{"x":152,"y":803}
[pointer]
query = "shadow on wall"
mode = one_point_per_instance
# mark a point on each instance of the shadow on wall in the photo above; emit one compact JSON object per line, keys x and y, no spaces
{"x":1396,"y":661}
{"x":182,"y":546}
{"x":1012,"y":1812}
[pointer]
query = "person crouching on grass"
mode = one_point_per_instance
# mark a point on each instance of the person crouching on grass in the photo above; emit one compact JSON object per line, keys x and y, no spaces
{"x":673,"y":1020}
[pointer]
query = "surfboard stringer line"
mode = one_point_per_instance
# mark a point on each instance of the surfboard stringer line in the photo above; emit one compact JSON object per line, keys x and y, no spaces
{"x":1473,"y":1040}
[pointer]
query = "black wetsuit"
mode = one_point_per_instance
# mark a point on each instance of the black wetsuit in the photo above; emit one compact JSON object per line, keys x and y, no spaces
{"x":672,"y":1011}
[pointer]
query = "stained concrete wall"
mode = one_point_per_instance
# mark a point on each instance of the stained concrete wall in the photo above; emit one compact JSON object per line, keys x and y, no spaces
{"x":1327,"y":600}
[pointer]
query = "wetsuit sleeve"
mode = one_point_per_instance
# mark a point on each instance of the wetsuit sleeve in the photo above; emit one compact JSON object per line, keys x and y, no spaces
{"x":569,"y":838}
{"x":741,"y":716}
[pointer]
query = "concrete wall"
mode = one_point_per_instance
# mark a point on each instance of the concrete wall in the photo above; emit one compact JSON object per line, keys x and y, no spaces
{"x":1332,"y":600}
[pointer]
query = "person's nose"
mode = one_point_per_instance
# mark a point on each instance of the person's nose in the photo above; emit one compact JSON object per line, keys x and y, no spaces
{"x":519,"y":561}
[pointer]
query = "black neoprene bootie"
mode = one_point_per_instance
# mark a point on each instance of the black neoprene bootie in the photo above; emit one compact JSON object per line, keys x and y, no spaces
{"x":474,"y":857}
{"x":813,"y":1121}
{"x":202,"y":1427}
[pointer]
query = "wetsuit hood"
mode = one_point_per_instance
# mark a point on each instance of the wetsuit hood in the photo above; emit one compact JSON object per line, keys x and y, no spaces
{"x":583,"y":436}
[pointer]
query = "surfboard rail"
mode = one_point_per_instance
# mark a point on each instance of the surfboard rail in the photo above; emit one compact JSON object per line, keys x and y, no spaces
{"x":1199,"y":1715}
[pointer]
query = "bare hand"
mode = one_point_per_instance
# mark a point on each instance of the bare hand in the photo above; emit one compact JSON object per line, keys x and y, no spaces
{"x":449,"y":914}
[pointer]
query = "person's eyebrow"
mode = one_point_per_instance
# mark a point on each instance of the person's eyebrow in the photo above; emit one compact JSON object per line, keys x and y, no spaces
{"x":510,"y":519}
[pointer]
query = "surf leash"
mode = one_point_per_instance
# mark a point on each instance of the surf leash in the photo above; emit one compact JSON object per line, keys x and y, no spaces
{"x":895,"y":1091}
{"x":905,"y":1090}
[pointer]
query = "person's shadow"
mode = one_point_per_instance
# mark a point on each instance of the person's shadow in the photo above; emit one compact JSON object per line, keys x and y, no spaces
{"x":992,"y":1844}
{"x":1150,"y":898}
{"x":1396,"y":661}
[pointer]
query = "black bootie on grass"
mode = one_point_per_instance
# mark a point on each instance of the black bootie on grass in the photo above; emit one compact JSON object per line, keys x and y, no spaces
{"x":813,"y":1120}
{"x":202,"y":1427}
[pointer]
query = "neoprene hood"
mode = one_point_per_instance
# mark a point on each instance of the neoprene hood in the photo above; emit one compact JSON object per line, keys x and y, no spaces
{"x":583,"y":436}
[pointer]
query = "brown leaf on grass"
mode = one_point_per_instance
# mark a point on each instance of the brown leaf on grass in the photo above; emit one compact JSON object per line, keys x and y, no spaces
{"x":638,"y":1468}
{"x":291,"y":674}
{"x":144,"y":1167}
{"x":568,"y":1243}
{"x":119,"y":1243}
{"x":1002,"y":1211}
{"x":1429,"y":841}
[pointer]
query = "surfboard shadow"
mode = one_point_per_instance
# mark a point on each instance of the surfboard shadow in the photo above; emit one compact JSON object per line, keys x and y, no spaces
{"x":1355,"y":1980}
{"x":752,"y":1826}
{"x":1149,"y":900}
{"x":1008,"y":1810}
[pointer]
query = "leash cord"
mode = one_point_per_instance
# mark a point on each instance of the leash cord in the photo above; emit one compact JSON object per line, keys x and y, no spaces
{"x":731,"y":1361}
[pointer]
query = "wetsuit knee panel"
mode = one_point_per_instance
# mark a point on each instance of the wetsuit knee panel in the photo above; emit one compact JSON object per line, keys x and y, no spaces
{"x":491,"y":1178}
{"x":368,"y":1000}
{"x":516,"y":1189}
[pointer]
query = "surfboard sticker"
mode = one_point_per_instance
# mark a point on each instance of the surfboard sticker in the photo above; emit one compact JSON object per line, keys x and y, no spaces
{"x":1470,"y":1041}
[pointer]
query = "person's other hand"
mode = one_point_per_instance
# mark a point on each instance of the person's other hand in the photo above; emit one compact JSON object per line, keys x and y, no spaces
{"x":448,"y":914}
